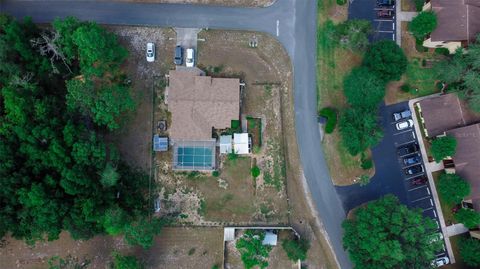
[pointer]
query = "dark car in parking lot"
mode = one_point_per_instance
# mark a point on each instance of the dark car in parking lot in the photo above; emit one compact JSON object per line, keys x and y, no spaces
{"x":413,"y":159}
{"x":385,"y":14}
{"x":385,"y":3}
{"x":419,"y":180}
{"x":178,"y":55}
{"x":403,"y":114}
{"x":413,"y":170}
{"x":407,"y":149}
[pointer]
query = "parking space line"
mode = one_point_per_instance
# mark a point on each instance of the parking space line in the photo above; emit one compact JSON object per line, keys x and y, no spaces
{"x":384,"y":8}
{"x":428,"y":209}
{"x":406,"y":143}
{"x":435,"y":213}
{"x":393,"y":26}
{"x":414,"y":135}
{"x":431,"y":202}
{"x":418,"y":188}
{"x":420,"y":199}
{"x":417,"y":175}
{"x":382,"y":20}
{"x":428,"y":190}
{"x":403,"y":132}
{"x":382,"y":31}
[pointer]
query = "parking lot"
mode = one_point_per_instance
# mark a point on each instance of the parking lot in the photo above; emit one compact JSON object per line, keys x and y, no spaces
{"x":390,"y":176}
{"x":383,"y":26}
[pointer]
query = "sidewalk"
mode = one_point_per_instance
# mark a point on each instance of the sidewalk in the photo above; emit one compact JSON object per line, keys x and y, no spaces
{"x":456,"y":229}
{"x":402,"y":16}
{"x":418,"y":133}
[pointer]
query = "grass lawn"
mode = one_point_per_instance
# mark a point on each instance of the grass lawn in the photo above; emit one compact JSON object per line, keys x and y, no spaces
{"x":333,"y":63}
{"x":420,"y":78}
{"x":459,"y":264}
{"x":446,"y":208}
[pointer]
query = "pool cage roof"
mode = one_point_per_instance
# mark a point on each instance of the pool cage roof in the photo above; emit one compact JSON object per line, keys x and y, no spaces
{"x":194,"y":155}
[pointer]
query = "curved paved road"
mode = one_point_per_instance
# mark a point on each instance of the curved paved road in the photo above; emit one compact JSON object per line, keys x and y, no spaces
{"x":296,"y":31}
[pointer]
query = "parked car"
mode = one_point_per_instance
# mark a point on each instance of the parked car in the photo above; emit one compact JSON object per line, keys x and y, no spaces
{"x":413,"y":159}
{"x":413,"y":170}
{"x":385,"y":13}
{"x":385,"y":3}
{"x":190,"y":59}
{"x":402,"y":115}
{"x":441,"y":261}
{"x":419,"y":180}
{"x":407,"y":149}
{"x":404,"y":125}
{"x":150,"y":52}
{"x":178,"y":55}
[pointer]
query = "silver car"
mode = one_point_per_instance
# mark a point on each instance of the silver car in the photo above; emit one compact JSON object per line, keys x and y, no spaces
{"x":150,"y":52}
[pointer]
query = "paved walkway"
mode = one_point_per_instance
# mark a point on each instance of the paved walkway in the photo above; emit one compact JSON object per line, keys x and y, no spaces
{"x":456,"y":229}
{"x":418,"y":133}
{"x":434,"y":167}
{"x":402,"y":16}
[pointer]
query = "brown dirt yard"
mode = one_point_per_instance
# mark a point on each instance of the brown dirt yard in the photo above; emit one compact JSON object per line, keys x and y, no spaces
{"x":242,"y":3}
{"x":175,"y":248}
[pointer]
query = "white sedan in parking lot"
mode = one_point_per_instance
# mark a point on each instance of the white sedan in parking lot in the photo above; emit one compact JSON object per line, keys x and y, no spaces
{"x":190,"y":58}
{"x":404,"y":125}
{"x":440,"y":261}
{"x":150,"y":52}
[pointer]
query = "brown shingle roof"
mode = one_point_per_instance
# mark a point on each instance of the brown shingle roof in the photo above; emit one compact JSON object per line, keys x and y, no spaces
{"x":446,"y":112}
{"x":200,"y":103}
{"x":458,"y":20}
{"x":467,"y":158}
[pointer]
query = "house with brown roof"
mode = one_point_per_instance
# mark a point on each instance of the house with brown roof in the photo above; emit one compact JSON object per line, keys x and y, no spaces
{"x":458,"y":23}
{"x":467,"y":161}
{"x":198,"y":105}
{"x":444,"y":112}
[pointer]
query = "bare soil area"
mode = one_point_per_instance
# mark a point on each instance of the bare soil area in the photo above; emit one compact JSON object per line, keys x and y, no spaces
{"x":242,"y":3}
{"x":174,"y":248}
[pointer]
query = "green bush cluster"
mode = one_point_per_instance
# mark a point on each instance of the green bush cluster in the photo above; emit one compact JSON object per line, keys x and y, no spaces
{"x":331,"y":115}
{"x":296,"y":249}
{"x":255,"y":171}
{"x":443,"y":147}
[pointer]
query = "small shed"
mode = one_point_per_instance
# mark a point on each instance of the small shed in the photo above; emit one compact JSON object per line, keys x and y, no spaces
{"x":228,"y":234}
{"x":241,"y":143}
{"x":270,"y":239}
{"x":225,"y":144}
{"x":160,"y":143}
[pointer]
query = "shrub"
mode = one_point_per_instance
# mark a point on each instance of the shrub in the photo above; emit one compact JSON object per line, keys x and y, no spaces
{"x":423,"y":24}
{"x":253,"y":252}
{"x":469,"y":218}
{"x":235,"y":124}
{"x":442,"y":51}
{"x":255,"y":171}
{"x":452,"y":188}
{"x":443,"y":147}
{"x":406,"y":88}
{"x":366,"y":164}
{"x":353,"y":34}
{"x":331,"y":115}
{"x":296,"y":249}
{"x":341,"y":2}
{"x":386,"y":59}
{"x":419,"y":5}
{"x":125,"y":262}
{"x":469,"y":250}
{"x":363,"y":88}
{"x":364,"y":180}
{"x":215,"y":173}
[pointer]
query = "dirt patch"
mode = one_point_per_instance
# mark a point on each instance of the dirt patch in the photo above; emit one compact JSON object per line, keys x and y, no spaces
{"x":242,"y":3}
{"x":134,"y":139}
{"x":170,"y":250}
{"x":408,"y":5}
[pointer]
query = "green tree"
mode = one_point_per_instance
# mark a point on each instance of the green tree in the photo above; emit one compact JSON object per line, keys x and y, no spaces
{"x":353,"y":34}
{"x":452,"y":188}
{"x":115,"y":220}
{"x":359,"y":129}
{"x":443,"y":147}
{"x":142,"y":231}
{"x":109,"y":176}
{"x":296,"y":249}
{"x":469,"y":249}
{"x":363,"y":89}
{"x":423,"y":24}
{"x":386,"y":234}
{"x":386,"y":59}
{"x":255,"y":171}
{"x":125,"y":262}
{"x":252,"y":251}
{"x":469,"y":218}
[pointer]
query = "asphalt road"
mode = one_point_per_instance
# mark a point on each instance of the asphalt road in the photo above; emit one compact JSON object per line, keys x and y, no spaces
{"x":292,"y":22}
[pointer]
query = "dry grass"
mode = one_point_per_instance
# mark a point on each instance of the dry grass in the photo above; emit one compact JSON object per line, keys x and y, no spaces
{"x":241,"y":3}
{"x":408,"y":5}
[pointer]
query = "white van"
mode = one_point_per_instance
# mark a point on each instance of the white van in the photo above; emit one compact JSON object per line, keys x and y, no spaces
{"x":190,"y":59}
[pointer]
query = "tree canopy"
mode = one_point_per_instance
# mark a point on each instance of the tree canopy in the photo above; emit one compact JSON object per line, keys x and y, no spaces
{"x":461,"y":72}
{"x":252,"y":251}
{"x":125,"y":262}
{"x":363,"y":88}
{"x":469,"y":249}
{"x":296,"y":249}
{"x":385,"y":234}
{"x":452,"y":188}
{"x":443,"y":147}
{"x":58,"y":171}
{"x":469,"y":218}
{"x":386,"y":59}
{"x":423,"y":24}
